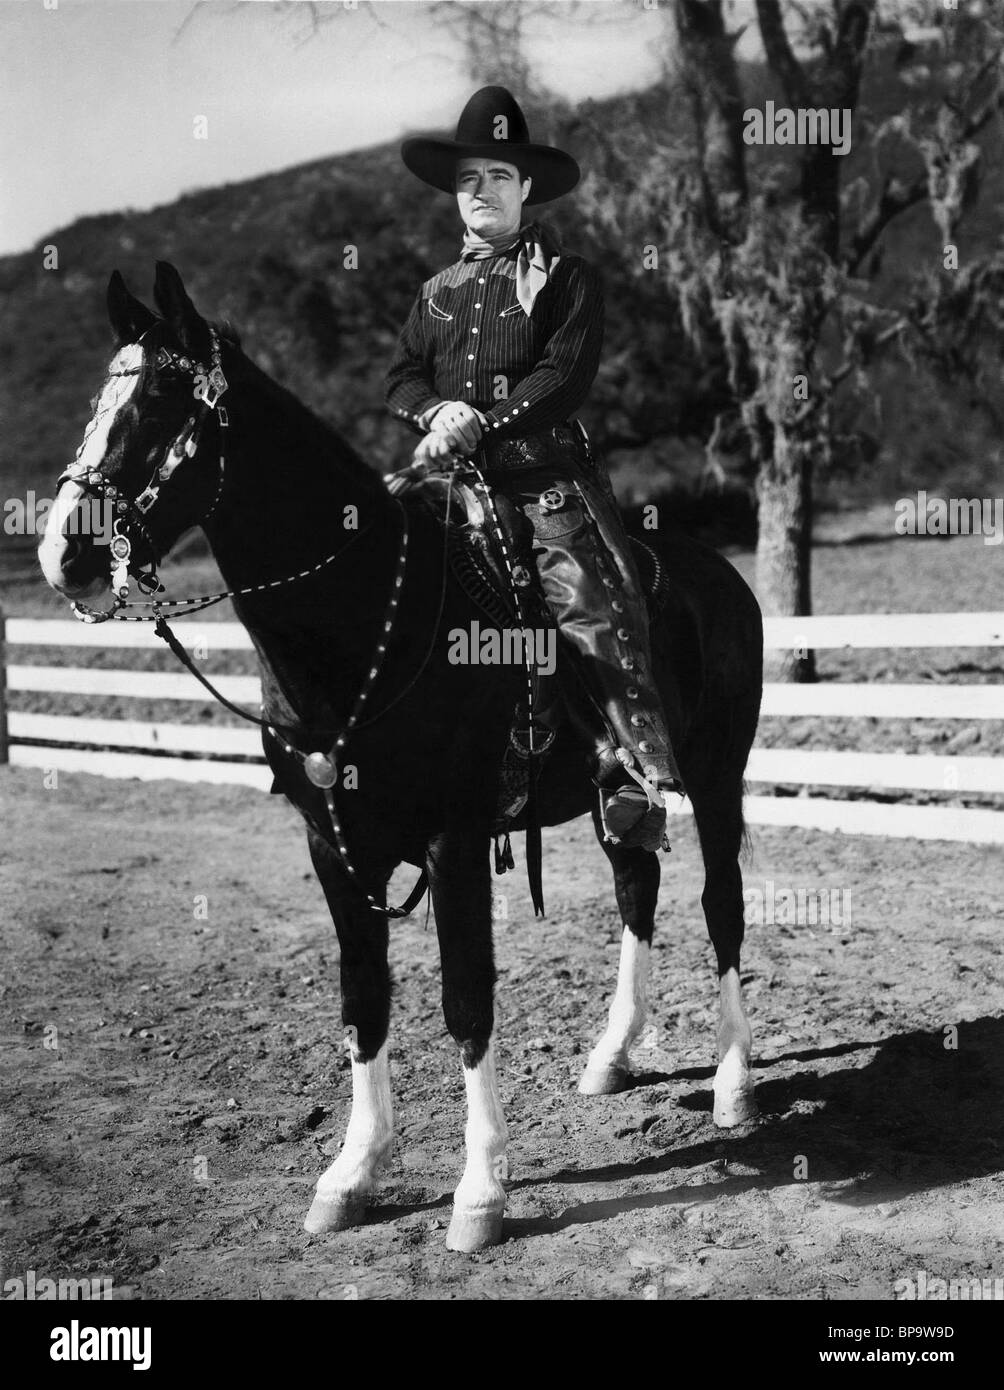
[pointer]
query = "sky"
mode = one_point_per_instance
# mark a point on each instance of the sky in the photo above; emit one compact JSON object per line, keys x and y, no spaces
{"x":98,"y":98}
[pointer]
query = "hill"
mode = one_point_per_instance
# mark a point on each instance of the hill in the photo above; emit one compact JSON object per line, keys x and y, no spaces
{"x":269,"y":254}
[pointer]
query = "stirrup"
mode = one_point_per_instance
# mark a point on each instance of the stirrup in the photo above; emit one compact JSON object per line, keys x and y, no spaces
{"x":630,"y":818}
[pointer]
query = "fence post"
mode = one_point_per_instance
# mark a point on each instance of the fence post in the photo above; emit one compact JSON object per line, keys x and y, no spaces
{"x":4,"y":741}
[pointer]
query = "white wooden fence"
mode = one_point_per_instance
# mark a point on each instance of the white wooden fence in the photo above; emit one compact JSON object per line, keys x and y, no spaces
{"x":154,"y":748}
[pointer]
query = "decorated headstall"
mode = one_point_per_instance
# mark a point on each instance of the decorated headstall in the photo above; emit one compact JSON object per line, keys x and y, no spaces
{"x":131,"y":513}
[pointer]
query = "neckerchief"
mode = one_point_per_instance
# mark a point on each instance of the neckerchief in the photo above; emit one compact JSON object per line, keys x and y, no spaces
{"x":535,"y":264}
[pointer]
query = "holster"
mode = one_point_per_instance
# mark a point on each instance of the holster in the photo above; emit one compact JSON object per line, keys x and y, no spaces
{"x":592,"y":588}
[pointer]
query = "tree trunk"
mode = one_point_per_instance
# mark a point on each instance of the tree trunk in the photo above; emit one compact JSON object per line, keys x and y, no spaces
{"x":784,"y":546}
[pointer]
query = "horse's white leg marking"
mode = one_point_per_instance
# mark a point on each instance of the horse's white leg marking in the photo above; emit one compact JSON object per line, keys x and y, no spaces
{"x":733,"y":1086}
{"x":342,"y":1190}
{"x":607,"y":1068}
{"x":479,"y":1200}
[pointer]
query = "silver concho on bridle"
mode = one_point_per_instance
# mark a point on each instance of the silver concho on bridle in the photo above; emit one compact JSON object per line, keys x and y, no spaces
{"x":120,"y":549}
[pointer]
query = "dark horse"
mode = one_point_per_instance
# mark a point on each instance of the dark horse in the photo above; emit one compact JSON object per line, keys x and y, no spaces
{"x":425,"y":750}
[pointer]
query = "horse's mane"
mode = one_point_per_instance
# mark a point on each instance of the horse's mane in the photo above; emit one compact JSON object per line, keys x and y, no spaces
{"x":344,"y":448}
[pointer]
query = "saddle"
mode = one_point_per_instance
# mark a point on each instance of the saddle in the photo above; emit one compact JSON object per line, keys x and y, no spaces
{"x":475,"y":556}
{"x":494,"y":565}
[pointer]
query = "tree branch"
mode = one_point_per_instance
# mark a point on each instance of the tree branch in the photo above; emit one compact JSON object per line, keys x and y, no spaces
{"x":982,"y":117}
{"x":848,"y":50}
{"x":830,"y":383}
{"x":895,"y":198}
{"x":780,"y":58}
{"x":709,"y":60}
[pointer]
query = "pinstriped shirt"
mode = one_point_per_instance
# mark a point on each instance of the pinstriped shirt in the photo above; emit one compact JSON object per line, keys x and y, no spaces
{"x":467,"y":338}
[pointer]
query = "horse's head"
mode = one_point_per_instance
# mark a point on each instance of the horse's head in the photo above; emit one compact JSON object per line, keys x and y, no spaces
{"x":140,"y":478}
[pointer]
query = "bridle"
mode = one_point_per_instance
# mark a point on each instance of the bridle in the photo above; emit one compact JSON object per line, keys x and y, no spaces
{"x":131,"y":513}
{"x":321,"y":769}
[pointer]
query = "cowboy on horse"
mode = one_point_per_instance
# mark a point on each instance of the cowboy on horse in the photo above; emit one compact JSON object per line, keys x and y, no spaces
{"x":498,"y":352}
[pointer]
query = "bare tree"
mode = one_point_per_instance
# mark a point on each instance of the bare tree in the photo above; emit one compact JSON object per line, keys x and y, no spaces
{"x":773,"y":264}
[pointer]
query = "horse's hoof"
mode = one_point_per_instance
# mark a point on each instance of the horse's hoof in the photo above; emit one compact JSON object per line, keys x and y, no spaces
{"x":334,"y":1214}
{"x":473,"y":1230}
{"x":603,"y":1081}
{"x":735,"y":1100}
{"x":735,"y":1109}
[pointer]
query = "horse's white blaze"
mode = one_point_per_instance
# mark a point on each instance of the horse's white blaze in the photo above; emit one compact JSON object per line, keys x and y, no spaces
{"x":53,"y":546}
{"x":369,"y":1136}
{"x":115,"y":394}
{"x":608,"y":1062}
{"x":480,"y":1191}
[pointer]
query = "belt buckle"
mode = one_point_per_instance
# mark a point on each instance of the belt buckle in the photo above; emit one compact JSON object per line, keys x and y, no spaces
{"x":552,"y":499}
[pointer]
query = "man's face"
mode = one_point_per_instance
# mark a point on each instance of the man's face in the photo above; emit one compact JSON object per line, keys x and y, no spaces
{"x":490,"y":196}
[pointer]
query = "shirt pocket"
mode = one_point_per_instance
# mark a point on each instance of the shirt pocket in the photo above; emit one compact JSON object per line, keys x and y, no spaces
{"x":516,"y":308}
{"x":438,"y":313}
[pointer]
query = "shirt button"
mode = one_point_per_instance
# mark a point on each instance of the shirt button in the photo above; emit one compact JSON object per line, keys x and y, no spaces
{"x":481,"y":280}
{"x":616,"y":605}
{"x":468,"y":383}
{"x":638,"y":721}
{"x":474,"y":330}
{"x":632,"y":693}
{"x":526,"y":402}
{"x":623,"y":634}
{"x":646,"y":748}
{"x":477,"y":306}
{"x":470,"y":357}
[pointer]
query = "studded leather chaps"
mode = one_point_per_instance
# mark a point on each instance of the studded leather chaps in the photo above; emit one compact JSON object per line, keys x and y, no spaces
{"x":592,"y":588}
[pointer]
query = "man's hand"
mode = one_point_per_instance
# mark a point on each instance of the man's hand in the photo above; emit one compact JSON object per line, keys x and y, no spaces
{"x":460,"y":423}
{"x":435,"y":452}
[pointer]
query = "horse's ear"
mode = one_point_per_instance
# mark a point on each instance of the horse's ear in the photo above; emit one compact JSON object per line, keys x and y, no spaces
{"x":129,"y":317}
{"x":172,"y":300}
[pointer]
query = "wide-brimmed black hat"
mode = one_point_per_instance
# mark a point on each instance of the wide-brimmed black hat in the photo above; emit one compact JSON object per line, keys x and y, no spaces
{"x":492,"y":124}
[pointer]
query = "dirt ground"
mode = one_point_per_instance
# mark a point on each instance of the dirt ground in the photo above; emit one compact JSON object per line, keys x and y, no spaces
{"x":173,"y":1080}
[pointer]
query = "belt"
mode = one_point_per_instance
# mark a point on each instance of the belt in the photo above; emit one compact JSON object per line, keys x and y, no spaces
{"x":560,"y":443}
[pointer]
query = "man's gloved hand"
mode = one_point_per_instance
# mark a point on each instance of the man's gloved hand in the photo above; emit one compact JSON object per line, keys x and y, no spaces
{"x":435,"y":453}
{"x":461,"y":423}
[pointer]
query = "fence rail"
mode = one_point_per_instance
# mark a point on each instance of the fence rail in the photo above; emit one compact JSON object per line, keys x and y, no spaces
{"x":158,"y":749}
